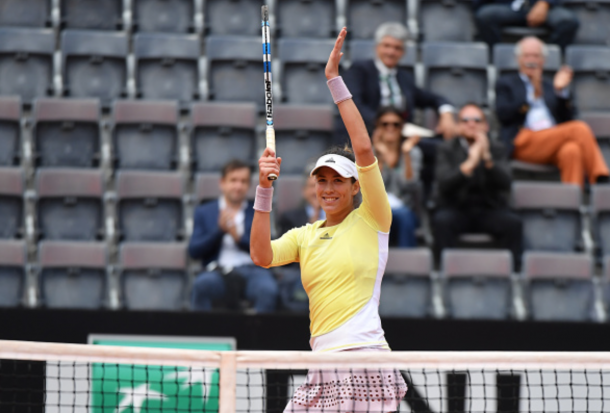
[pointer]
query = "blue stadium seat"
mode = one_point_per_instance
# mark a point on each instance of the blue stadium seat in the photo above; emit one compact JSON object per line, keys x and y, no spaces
{"x":66,"y":132}
{"x":150,"y":206}
{"x":361,"y":49}
{"x":305,"y":18}
{"x":94,"y":64}
{"x":593,"y":16}
{"x":446,"y":20}
{"x":559,"y":286}
{"x":92,"y":14}
{"x":505,"y":61}
{"x":12,"y":187}
{"x":235,"y":17}
{"x":167,"y":66}
{"x":591,"y":65}
{"x":477,"y":283}
{"x":173,"y":16}
{"x":406,"y":289}
{"x":234,"y":72}
{"x":13,"y":260}
{"x":364,"y":16}
{"x":10,"y":130}
{"x":153,"y":276}
{"x":70,"y":204}
{"x":222,"y":132}
{"x":26,"y":62}
{"x":25,"y":13}
{"x":145,"y":134}
{"x":72,"y":274}
{"x":550,"y":214}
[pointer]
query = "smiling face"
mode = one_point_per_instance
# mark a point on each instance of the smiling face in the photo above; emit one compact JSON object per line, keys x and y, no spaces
{"x":390,"y":51}
{"x":335,"y":193}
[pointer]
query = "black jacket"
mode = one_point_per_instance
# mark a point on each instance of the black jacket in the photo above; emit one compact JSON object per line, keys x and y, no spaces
{"x":512,"y":106}
{"x":293,"y":218}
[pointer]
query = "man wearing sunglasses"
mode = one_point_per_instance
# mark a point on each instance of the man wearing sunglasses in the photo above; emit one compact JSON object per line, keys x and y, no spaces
{"x":473,"y":180}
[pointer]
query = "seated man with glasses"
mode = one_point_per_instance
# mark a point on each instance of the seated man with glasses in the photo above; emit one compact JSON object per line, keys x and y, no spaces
{"x":473,"y":181}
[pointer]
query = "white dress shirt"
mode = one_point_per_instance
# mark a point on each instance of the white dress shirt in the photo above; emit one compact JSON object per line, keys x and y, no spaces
{"x":230,"y":255}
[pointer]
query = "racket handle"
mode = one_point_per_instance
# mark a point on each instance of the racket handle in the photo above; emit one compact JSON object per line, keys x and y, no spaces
{"x":270,"y":134}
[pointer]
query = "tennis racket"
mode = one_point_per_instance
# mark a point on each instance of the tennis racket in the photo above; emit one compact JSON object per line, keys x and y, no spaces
{"x":270,"y":131}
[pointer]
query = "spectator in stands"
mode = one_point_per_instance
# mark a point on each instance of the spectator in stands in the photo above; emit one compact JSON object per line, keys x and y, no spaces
{"x":221,"y":240}
{"x":400,"y":163}
{"x":308,"y":212}
{"x":537,"y":119}
{"x":492,"y":16}
{"x":473,"y":178}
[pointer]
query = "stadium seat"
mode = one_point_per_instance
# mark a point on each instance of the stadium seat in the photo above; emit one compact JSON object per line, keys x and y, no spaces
{"x":288,"y":193}
{"x":235,"y":71}
{"x":153,"y":276}
{"x":221,"y":132}
{"x":302,"y":132}
{"x":505,"y":61}
{"x":559,"y":286}
{"x":150,"y":206}
{"x":302,"y":74}
{"x":593,"y":16}
{"x":305,"y":18}
{"x":167,"y":66}
{"x":599,"y":122}
{"x":25,"y":13}
{"x":361,"y":49}
{"x":13,"y":260}
{"x":10,"y":130}
{"x":477,"y":283}
{"x":145,"y":134}
{"x":174,"y":16}
{"x":364,"y":16}
{"x":534,"y":171}
{"x":446,"y":20}
{"x":94,"y":64}
{"x":66,"y":132}
{"x":600,"y":208}
{"x":550,"y":214}
{"x":207,"y":189}
{"x":406,"y":289}
{"x":70,"y":204}
{"x":591,"y":65}
{"x":12,"y":187}
{"x":606,"y":284}
{"x":72,"y":274}
{"x":235,"y":17}
{"x":26,"y":62}
{"x":457,"y":71}
{"x":92,"y":14}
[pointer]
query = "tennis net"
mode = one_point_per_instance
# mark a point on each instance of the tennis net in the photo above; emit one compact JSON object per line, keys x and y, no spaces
{"x":50,"y":377}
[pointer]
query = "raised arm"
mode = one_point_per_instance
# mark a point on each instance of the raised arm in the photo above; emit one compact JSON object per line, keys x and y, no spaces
{"x":358,"y":134}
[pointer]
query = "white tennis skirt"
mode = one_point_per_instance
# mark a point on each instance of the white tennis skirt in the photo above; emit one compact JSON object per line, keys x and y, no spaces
{"x":349,"y":391}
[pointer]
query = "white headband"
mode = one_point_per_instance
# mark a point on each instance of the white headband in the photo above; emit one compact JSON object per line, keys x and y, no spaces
{"x":341,"y":164}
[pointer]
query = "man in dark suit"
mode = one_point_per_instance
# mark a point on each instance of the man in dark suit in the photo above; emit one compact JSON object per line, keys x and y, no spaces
{"x":221,"y":240}
{"x":537,"y":118}
{"x":472,"y":181}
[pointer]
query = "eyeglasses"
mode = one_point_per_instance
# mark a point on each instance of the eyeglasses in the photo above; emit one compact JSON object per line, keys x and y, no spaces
{"x":475,"y":119}
{"x":394,"y":124}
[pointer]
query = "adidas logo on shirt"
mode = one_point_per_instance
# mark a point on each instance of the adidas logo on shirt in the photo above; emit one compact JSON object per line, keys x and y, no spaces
{"x":326,"y":236}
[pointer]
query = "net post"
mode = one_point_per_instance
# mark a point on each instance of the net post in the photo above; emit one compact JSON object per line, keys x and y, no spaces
{"x":228,"y":382}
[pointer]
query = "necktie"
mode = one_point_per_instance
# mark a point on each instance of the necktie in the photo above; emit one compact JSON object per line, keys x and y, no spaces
{"x":388,"y":80}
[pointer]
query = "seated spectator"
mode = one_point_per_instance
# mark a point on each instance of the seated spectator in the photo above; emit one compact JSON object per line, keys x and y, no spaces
{"x":400,"y":163}
{"x":537,"y":118}
{"x":221,"y":240}
{"x":491,"y":16}
{"x":308,"y":212}
{"x":473,"y":177}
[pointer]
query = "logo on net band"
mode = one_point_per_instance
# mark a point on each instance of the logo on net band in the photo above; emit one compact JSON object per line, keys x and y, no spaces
{"x":326,"y":236}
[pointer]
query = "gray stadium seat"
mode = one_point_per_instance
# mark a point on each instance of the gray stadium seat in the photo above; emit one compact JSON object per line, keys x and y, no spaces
{"x":72,"y":274}
{"x":163,"y":16}
{"x":305,"y":18}
{"x":26,"y":62}
{"x":145,"y":134}
{"x":13,"y":260}
{"x":591,"y":65}
{"x":12,"y":187}
{"x":221,"y":132}
{"x":364,"y":16}
{"x":92,"y":14}
{"x":167,"y":66}
{"x":559,"y":286}
{"x":25,"y":13}
{"x":288,"y":193}
{"x":66,"y":132}
{"x":153,"y":276}
{"x":150,"y":206}
{"x":600,"y":125}
{"x":600,"y":208}
{"x":446,"y":20}
{"x":302,"y":132}
{"x":10,"y":130}
{"x":505,"y":61}
{"x":606,"y":282}
{"x":593,"y":16}
{"x":406,"y":289}
{"x":457,"y":71}
{"x":207,"y":189}
{"x":235,"y":17}
{"x":550,"y":213}
{"x":235,"y":70}
{"x":361,"y":49}
{"x":477,"y":283}
{"x":303,"y":62}
{"x":70,"y":204}
{"x":94,"y":64}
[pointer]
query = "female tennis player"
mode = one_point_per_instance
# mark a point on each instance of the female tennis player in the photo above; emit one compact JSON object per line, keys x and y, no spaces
{"x":342,"y":262}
